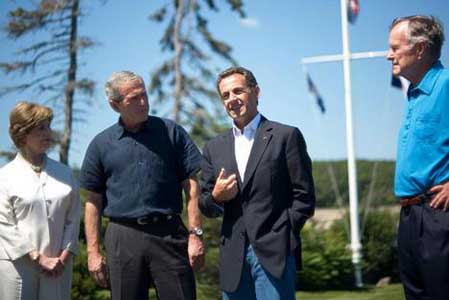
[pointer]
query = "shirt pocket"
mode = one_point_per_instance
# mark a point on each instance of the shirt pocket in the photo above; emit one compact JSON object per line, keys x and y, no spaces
{"x":426,"y":129}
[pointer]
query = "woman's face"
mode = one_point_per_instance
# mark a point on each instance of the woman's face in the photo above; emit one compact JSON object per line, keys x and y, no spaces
{"x":39,"y":139}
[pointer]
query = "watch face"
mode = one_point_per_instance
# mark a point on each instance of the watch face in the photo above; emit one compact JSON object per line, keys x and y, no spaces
{"x":196,"y":231}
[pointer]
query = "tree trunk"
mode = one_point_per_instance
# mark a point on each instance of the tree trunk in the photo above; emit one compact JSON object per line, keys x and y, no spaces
{"x":70,"y":88}
{"x":177,"y":63}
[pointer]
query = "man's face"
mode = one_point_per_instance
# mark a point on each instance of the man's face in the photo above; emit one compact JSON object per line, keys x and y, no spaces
{"x":134,"y":106}
{"x":239,"y":100}
{"x":404,"y":57}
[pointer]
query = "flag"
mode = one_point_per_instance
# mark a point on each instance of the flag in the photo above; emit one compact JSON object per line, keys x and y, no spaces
{"x":353,"y":10}
{"x":400,"y":83}
{"x":314,"y":91}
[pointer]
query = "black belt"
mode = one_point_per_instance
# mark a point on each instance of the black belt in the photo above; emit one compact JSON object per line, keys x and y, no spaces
{"x":418,"y":199}
{"x":145,"y":220}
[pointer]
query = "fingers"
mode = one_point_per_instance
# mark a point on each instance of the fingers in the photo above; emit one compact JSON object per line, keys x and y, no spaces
{"x":197,"y":262}
{"x":221,"y":175}
{"x":441,"y":199}
{"x":100,"y":276}
{"x":98,"y":269}
{"x":51,"y":267}
{"x":434,"y":203}
{"x":436,"y":189}
{"x":231,"y":181}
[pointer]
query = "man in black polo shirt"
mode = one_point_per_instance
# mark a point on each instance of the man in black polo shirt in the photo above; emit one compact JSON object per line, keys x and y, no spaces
{"x":134,"y":173}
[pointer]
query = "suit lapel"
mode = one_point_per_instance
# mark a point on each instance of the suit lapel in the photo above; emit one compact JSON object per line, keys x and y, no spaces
{"x":261,"y":141}
{"x":231,"y":162}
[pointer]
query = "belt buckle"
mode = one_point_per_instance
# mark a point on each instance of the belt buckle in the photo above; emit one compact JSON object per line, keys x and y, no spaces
{"x":153,"y":219}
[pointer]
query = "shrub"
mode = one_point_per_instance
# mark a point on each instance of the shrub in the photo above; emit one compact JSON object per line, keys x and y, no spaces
{"x":327,"y":257}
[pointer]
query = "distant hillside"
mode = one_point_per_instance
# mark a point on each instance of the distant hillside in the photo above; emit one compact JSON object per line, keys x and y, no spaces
{"x":381,"y":189}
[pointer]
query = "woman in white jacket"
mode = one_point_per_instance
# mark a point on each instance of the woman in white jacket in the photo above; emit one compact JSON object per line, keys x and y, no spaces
{"x":39,"y":213}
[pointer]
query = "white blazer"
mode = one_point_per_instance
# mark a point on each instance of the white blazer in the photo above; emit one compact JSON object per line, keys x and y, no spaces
{"x":38,"y":212}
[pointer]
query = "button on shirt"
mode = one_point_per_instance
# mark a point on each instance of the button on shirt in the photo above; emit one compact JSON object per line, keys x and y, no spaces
{"x":244,"y":142}
{"x":423,"y":145}
{"x":140,"y":173}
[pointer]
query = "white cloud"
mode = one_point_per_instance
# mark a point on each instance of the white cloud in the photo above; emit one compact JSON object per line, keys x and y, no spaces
{"x":250,"y":23}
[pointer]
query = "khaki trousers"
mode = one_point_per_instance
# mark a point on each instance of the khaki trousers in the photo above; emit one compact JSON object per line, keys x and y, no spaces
{"x":21,"y":280}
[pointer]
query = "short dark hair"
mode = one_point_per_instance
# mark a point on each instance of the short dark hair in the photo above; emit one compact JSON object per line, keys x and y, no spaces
{"x":426,"y":29}
{"x":247,"y":74}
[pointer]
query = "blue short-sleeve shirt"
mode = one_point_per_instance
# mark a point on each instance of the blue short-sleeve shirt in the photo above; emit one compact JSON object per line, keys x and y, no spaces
{"x":423,"y":145}
{"x":140,"y":173}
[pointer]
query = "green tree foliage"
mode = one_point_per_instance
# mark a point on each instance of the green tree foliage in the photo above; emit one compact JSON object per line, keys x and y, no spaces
{"x":327,"y":257}
{"x":51,"y":61}
{"x":374,"y":182}
{"x":83,"y":287}
{"x":380,"y":246}
{"x":186,"y":78}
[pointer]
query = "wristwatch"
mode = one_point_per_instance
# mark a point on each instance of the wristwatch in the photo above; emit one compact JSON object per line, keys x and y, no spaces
{"x":196,"y":231}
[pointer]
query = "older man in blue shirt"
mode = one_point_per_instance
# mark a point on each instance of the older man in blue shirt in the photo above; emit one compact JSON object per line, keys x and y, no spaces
{"x":422,"y":165}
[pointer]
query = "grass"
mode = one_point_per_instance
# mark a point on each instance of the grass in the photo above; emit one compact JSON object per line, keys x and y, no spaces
{"x":391,"y":292}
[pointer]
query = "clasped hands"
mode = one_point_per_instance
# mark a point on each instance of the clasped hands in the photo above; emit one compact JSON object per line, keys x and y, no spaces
{"x":50,"y":266}
{"x":226,"y":187}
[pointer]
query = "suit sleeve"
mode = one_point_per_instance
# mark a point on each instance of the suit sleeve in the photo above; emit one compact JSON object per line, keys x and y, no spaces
{"x":207,"y":204}
{"x":300,"y":171}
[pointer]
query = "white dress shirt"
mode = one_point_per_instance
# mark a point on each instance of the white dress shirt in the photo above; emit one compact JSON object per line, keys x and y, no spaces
{"x":243,"y":142}
{"x":38,"y":212}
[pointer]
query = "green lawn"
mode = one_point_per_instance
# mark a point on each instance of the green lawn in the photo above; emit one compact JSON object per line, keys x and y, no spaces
{"x":391,"y":292}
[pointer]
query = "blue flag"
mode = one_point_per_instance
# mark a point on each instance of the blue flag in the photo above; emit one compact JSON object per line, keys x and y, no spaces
{"x":314,"y":91}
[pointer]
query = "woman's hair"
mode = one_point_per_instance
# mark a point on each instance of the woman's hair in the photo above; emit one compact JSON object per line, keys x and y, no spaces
{"x":24,"y":117}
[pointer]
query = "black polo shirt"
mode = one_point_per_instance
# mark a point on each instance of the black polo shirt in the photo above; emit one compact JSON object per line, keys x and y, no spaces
{"x":140,"y":173}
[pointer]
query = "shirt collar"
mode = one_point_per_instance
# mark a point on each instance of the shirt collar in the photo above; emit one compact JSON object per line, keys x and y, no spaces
{"x":120,"y":130}
{"x":21,"y":160}
{"x":252,"y":126}
{"x":428,"y":81}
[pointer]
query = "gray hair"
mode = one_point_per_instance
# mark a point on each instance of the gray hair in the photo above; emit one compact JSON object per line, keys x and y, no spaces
{"x":116,"y":80}
{"x":424,"y":29}
{"x":249,"y":76}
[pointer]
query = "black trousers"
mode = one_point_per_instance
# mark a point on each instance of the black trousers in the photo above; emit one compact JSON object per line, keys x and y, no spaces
{"x":423,"y":242}
{"x":140,"y":254}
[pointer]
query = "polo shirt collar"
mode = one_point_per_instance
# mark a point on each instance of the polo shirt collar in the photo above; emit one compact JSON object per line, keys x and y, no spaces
{"x":428,"y":81}
{"x":120,"y":131}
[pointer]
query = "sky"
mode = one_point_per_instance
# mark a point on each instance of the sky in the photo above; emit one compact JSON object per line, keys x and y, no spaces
{"x":271,"y":42}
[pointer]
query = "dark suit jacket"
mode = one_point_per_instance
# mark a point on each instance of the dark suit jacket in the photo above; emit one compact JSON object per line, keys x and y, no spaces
{"x":273,"y":203}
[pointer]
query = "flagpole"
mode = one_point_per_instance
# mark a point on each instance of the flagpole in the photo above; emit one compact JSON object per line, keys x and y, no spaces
{"x":356,"y":246}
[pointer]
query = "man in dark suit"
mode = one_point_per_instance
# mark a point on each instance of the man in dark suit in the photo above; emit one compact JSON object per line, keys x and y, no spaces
{"x":259,"y":174}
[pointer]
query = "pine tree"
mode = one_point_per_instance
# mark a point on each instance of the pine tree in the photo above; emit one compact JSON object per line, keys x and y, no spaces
{"x":52,"y":61}
{"x":186,"y":78}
